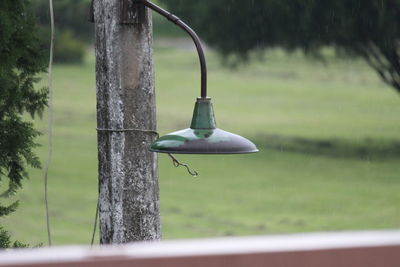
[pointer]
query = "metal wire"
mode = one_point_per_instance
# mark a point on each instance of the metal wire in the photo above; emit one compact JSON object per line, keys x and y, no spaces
{"x":127,"y":130}
{"x":176,"y":163}
{"x":95,"y":223}
{"x":50,"y":123}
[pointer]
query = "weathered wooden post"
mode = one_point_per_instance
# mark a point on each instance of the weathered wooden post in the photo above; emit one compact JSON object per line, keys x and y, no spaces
{"x":126,"y":121}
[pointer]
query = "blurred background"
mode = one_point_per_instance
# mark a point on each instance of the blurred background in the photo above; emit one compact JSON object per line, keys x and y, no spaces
{"x":314,"y":84}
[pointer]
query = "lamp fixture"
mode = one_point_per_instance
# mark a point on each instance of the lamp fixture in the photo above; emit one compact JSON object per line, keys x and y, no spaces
{"x":203,"y":137}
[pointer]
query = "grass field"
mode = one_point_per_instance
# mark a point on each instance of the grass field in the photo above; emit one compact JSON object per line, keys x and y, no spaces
{"x":329,"y":159}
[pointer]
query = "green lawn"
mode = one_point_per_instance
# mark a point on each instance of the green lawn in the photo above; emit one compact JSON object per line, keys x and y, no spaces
{"x":329,"y":159}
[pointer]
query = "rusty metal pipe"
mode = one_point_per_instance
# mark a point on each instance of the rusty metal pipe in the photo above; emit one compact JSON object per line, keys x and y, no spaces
{"x":193,"y":35}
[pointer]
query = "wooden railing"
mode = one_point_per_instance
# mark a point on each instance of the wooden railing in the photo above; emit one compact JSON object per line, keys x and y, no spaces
{"x":336,"y":249}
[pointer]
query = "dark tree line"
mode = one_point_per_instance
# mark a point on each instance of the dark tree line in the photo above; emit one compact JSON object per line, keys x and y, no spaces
{"x":73,"y":30}
{"x":70,"y":15}
{"x":366,"y":28}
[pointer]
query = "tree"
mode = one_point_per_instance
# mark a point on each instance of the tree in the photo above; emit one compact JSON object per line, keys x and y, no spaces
{"x":71,"y":16}
{"x":366,"y":28}
{"x":21,"y":60}
{"x":73,"y":32}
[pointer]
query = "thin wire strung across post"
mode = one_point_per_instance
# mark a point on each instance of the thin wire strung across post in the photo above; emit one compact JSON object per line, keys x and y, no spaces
{"x":127,"y":130}
{"x":175,"y":162}
{"x":50,"y":122}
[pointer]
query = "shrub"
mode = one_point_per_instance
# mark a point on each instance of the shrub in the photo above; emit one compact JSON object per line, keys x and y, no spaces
{"x":67,"y":49}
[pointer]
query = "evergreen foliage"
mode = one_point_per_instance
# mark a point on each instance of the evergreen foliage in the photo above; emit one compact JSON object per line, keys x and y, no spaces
{"x":366,"y":28}
{"x":21,"y":59}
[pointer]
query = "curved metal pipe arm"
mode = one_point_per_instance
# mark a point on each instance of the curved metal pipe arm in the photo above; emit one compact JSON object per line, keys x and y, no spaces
{"x":193,"y":35}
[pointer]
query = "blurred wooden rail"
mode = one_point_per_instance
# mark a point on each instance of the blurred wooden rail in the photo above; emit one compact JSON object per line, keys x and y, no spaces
{"x":336,"y":249}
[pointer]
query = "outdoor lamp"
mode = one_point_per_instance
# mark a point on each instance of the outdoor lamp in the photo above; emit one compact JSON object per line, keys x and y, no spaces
{"x":203,"y":136}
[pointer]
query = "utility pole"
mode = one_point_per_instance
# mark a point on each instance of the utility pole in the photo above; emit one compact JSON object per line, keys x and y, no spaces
{"x":126,"y":122}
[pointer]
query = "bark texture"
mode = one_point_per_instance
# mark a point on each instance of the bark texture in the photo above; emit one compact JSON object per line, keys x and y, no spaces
{"x":128,"y":177}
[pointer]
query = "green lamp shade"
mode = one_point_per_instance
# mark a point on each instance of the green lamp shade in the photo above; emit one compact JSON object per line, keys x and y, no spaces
{"x":203,"y":137}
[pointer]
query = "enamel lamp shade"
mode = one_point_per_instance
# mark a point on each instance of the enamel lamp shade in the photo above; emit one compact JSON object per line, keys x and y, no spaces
{"x":203,"y":137}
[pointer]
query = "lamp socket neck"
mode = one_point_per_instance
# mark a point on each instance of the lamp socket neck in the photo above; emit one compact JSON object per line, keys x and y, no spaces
{"x":203,"y":114}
